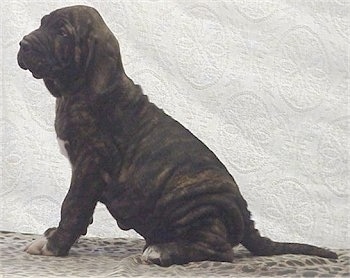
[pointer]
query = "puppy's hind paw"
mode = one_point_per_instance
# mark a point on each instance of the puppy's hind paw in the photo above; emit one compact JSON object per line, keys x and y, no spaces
{"x":152,"y":255}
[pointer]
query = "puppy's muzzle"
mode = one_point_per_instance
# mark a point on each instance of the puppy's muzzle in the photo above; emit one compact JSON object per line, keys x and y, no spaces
{"x":25,"y":49}
{"x":31,"y":56}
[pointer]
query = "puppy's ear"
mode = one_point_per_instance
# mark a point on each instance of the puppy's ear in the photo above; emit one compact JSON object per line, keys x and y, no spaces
{"x":84,"y":42}
{"x":77,"y":55}
{"x":90,"y":50}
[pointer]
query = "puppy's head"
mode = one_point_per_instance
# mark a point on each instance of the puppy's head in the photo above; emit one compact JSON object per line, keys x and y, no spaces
{"x":73,"y":46}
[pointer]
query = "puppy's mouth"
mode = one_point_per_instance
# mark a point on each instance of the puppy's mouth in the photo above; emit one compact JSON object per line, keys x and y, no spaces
{"x":34,"y":64}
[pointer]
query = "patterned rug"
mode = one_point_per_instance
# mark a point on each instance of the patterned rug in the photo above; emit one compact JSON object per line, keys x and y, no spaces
{"x":119,"y":257}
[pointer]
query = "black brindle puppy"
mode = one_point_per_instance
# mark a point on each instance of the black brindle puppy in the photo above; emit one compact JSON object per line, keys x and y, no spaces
{"x":152,"y":174}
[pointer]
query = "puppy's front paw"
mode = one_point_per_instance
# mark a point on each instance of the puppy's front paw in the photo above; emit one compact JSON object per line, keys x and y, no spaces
{"x":38,"y":247}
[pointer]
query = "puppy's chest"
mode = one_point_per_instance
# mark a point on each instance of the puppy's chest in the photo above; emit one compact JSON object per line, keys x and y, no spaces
{"x":73,"y":124}
{"x":63,"y":140}
{"x":63,"y":146}
{"x":63,"y":127}
{"x":62,"y":131}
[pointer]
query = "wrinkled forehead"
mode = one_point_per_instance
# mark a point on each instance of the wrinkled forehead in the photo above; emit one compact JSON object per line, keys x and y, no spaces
{"x":52,"y":19}
{"x":56,"y":18}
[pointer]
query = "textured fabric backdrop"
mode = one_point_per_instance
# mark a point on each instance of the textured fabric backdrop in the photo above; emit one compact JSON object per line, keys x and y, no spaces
{"x":263,"y":83}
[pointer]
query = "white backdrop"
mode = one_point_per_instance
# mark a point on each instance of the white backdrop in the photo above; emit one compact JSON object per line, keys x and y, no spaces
{"x":263,"y":83}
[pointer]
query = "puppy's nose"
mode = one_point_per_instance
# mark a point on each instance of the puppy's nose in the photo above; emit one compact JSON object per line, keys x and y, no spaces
{"x":25,"y":45}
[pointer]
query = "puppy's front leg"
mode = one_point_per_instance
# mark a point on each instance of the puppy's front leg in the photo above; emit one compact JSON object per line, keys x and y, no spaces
{"x":76,"y":212}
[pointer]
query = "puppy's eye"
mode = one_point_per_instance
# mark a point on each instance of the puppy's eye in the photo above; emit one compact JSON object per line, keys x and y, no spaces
{"x":62,"y":33}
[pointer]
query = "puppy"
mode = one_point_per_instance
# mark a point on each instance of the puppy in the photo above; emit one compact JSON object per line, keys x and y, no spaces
{"x":152,"y":174}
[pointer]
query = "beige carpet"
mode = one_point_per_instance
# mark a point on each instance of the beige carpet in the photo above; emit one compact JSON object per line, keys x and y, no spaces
{"x":105,"y":257}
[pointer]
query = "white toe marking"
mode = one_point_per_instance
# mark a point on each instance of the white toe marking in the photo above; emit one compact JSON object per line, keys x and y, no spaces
{"x":38,"y":247}
{"x":151,"y":253}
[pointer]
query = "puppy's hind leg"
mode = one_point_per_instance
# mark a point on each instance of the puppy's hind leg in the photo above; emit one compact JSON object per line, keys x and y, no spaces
{"x":205,"y":243}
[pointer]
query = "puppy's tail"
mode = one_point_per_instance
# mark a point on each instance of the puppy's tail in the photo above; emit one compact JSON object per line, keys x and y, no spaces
{"x":262,"y":246}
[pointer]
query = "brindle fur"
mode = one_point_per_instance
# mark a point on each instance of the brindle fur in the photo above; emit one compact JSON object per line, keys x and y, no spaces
{"x":152,"y":174}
